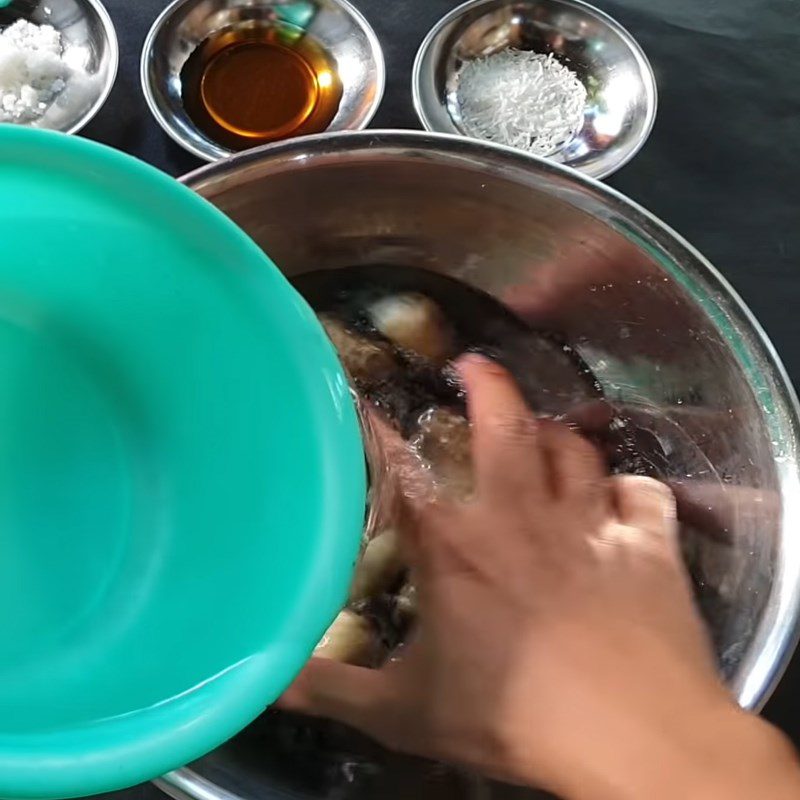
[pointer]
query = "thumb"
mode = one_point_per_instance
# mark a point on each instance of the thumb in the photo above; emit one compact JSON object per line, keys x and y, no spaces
{"x":347,"y":694}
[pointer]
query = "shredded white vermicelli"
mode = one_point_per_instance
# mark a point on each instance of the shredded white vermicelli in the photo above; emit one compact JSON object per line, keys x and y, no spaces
{"x":522,"y":99}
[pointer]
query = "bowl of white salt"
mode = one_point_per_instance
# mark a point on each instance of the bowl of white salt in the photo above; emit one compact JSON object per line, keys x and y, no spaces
{"x":558,"y":79}
{"x":58,"y":62}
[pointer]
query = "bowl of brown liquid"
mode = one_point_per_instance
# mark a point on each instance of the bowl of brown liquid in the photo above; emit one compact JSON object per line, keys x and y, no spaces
{"x":222,"y":76}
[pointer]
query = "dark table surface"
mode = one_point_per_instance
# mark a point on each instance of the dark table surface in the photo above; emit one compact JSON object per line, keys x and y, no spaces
{"x":722,"y":165}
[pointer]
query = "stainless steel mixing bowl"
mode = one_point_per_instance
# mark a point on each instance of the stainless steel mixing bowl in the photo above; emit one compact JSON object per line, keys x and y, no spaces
{"x":87,"y":30}
{"x":667,"y":338}
{"x":621,"y":88}
{"x":185,"y":24}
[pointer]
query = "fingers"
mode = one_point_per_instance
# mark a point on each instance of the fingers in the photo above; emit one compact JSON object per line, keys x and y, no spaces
{"x":591,"y":417}
{"x":578,"y":471}
{"x":325,"y":688}
{"x":576,"y":461}
{"x":646,"y":504}
{"x":714,"y":509}
{"x":507,"y":453}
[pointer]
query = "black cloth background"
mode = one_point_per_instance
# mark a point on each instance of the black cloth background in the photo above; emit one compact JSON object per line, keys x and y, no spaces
{"x":722,"y":166}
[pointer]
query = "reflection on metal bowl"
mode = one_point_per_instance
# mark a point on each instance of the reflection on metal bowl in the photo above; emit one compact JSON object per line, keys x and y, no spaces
{"x":673,"y":348}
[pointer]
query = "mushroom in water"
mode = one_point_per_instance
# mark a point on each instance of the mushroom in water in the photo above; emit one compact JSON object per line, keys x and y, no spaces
{"x":414,"y":323}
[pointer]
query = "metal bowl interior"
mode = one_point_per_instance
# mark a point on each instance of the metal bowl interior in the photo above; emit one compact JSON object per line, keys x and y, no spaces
{"x":88,"y":31}
{"x":622,"y":98}
{"x":336,"y":25}
{"x":667,"y":338}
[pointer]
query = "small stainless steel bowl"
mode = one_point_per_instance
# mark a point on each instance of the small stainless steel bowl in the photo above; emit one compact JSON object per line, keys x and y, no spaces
{"x":622,"y":98}
{"x":185,"y":24}
{"x":88,"y":31}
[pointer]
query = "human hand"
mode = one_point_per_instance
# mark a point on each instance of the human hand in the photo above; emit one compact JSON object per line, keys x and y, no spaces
{"x":557,"y":645}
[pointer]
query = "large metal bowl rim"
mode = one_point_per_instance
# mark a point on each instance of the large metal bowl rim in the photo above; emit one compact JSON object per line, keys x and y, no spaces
{"x":778,"y":636}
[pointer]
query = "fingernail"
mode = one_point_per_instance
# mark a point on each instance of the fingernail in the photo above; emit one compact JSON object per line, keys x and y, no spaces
{"x":475,"y":358}
{"x":484,"y":362}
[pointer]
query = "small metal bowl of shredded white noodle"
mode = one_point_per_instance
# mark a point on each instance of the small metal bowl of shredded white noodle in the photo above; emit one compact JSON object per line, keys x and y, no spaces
{"x":58,"y":62}
{"x":555,"y":78}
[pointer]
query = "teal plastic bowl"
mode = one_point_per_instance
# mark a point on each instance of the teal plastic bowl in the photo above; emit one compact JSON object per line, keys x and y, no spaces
{"x":182,"y":479}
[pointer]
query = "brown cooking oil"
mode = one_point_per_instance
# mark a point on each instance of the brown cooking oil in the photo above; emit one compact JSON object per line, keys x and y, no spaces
{"x":247,"y":86}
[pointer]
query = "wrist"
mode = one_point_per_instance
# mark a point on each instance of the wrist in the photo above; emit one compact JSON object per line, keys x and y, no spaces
{"x":737,"y":756}
{"x":757,"y":760}
{"x":722,"y":755}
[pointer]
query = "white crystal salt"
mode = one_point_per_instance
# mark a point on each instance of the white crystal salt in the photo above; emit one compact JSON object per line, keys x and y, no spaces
{"x":32,"y":70}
